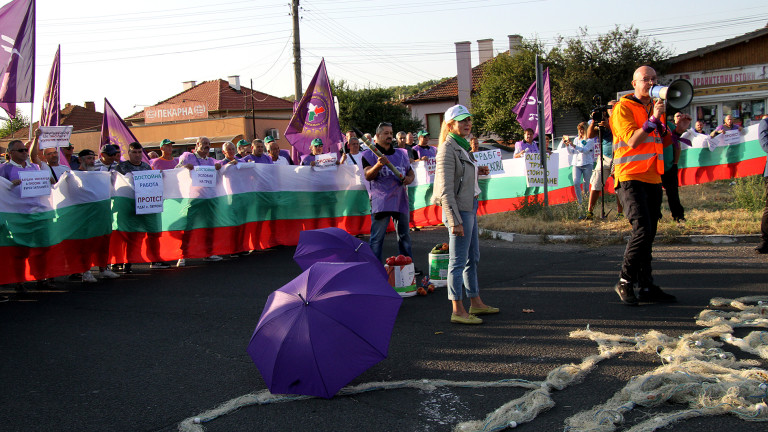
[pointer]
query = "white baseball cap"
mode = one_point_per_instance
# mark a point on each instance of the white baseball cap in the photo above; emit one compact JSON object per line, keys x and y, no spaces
{"x":457,"y":112}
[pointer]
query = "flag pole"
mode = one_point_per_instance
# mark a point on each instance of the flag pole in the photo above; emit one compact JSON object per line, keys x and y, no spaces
{"x":542,"y":131}
{"x":31,"y":117}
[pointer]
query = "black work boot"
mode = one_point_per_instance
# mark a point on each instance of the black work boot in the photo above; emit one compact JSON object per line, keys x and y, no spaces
{"x":626,"y":292}
{"x":654,"y":294}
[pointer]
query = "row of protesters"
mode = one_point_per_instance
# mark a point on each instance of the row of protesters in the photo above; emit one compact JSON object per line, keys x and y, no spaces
{"x":582,"y":151}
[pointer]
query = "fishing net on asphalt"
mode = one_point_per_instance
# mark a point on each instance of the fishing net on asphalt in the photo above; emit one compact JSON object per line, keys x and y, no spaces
{"x":696,"y":373}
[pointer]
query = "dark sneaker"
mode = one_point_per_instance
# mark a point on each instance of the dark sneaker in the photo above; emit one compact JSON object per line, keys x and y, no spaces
{"x":763,"y":248}
{"x":626,"y":292}
{"x":654,"y":294}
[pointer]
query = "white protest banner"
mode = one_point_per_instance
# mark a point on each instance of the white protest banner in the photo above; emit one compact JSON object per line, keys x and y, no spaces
{"x":732,"y":137}
{"x":325,"y":162}
{"x":491,"y":159}
{"x":204,"y":176}
{"x":534,"y":172}
{"x":148,"y":188}
{"x":430,"y":165}
{"x":35,"y":183}
{"x":54,"y":136}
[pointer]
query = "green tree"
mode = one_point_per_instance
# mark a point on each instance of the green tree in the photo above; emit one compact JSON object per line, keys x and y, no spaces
{"x":579,"y":68}
{"x":366,"y":108}
{"x":404,"y":91}
{"x":12,"y":125}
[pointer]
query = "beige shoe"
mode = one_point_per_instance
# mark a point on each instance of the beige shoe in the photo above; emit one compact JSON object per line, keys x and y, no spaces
{"x":483,"y":311}
{"x":471,"y":319}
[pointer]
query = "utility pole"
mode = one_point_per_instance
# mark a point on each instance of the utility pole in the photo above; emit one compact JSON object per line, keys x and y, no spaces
{"x":296,"y":49}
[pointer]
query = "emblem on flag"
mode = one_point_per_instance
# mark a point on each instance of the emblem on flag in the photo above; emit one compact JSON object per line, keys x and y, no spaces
{"x":313,"y":111}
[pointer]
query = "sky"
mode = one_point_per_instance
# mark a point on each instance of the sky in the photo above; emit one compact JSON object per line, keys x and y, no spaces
{"x":138,"y":53}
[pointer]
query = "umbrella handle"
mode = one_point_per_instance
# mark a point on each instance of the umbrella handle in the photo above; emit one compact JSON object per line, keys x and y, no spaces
{"x":306,"y":303}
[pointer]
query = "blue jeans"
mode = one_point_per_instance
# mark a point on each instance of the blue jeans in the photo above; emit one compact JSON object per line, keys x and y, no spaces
{"x":581,"y":174}
{"x":464,"y":257}
{"x":379,"y":229}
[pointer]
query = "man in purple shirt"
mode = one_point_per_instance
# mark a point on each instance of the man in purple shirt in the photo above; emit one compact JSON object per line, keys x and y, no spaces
{"x":423,"y":151}
{"x":389,"y":195}
{"x":230,"y":155}
{"x":166,"y":160}
{"x":19,"y":161}
{"x":257,"y":154}
{"x":727,"y":125}
{"x":316,"y":147}
{"x":527,"y":145}
{"x":243,"y":149}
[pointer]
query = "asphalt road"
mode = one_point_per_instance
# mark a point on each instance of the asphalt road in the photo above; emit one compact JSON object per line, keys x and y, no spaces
{"x":148,"y":350}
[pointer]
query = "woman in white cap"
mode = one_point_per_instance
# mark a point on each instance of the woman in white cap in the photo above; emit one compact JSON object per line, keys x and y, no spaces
{"x":456,"y":189}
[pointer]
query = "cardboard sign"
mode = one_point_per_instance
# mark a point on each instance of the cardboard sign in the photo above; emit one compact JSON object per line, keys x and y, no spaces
{"x":430,"y":165}
{"x":491,"y":159}
{"x":35,"y":183}
{"x":731,"y":137}
{"x":148,"y":189}
{"x":54,"y":136}
{"x":325,"y":162}
{"x":204,"y":176}
{"x":534,"y":171}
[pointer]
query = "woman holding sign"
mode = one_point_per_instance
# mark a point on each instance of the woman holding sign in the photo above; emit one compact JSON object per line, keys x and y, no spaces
{"x":456,"y":189}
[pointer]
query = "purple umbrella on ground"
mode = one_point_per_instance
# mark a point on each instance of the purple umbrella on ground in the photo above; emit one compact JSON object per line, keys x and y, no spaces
{"x":323,"y":329}
{"x":333,"y":245}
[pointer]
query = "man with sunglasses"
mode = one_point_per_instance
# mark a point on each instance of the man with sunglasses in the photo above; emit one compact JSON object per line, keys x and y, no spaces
{"x":639,"y":138}
{"x":18,"y":161}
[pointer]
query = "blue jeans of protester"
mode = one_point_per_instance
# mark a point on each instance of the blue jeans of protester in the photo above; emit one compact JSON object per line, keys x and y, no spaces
{"x":379,"y":229}
{"x":581,"y":174}
{"x":464,"y":256}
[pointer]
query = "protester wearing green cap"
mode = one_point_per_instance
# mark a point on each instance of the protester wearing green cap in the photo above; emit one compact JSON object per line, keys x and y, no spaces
{"x":166,"y":159}
{"x":456,"y":189}
{"x":423,"y":151}
{"x":243,"y":149}
{"x":316,"y":147}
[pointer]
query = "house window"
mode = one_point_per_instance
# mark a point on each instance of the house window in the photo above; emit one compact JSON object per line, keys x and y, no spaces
{"x":434,"y":121}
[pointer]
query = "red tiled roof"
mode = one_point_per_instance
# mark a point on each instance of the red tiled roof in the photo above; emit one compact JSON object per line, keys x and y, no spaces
{"x":80,"y":118}
{"x":447,"y":89}
{"x":219,"y":96}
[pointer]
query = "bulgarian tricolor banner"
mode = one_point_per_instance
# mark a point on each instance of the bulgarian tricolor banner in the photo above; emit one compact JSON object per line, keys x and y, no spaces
{"x":90,"y":217}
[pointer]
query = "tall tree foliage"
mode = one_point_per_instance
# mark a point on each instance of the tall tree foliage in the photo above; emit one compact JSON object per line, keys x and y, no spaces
{"x":366,"y":108}
{"x":579,"y":68}
{"x":12,"y":125}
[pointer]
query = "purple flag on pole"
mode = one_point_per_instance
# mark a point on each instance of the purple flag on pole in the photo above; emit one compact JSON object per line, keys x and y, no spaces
{"x":526,"y":109}
{"x":17,"y":56}
{"x":51,"y":99}
{"x":315,"y":117}
{"x":115,"y":131}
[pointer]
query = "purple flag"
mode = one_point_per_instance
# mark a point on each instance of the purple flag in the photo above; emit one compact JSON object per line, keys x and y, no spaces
{"x":17,"y":56}
{"x":115,"y":131}
{"x":526,"y":110}
{"x":315,"y":117}
{"x":51,"y":100}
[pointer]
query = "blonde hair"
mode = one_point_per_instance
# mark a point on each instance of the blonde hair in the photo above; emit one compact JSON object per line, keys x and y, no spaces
{"x":445,"y":129}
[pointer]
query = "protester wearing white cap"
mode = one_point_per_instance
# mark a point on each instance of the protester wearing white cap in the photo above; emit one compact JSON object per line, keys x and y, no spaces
{"x":456,"y":189}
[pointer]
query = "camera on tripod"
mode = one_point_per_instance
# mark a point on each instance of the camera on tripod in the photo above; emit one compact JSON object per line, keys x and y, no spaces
{"x":599,"y":111}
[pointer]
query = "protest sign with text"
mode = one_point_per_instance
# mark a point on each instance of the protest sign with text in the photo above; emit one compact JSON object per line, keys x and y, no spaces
{"x":491,"y":159}
{"x":430,"y":165}
{"x":534,"y":171}
{"x":35,"y":183}
{"x":54,"y":136}
{"x":204,"y":176}
{"x":148,"y":188}
{"x":325,"y":162}
{"x":731,"y":137}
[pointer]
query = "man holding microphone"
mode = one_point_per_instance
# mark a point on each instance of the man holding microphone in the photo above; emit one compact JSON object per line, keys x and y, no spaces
{"x":639,"y":137}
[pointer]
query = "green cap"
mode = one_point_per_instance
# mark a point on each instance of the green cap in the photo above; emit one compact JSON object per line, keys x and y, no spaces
{"x":422,"y":133}
{"x":166,"y":141}
{"x":243,"y":143}
{"x":268,"y":139}
{"x":317,"y":142}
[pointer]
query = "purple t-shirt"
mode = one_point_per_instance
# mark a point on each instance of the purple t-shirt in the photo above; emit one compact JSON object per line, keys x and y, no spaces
{"x":427,"y":151}
{"x":163,"y":164}
{"x":521,"y":146}
{"x":263,"y":159}
{"x":195,"y":160}
{"x":307,"y":159}
{"x":11,"y":171}
{"x":725,"y":128}
{"x":387,"y":191}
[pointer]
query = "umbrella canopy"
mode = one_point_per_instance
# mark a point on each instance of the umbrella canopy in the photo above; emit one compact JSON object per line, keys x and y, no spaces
{"x":334,"y":245}
{"x":323,"y":329}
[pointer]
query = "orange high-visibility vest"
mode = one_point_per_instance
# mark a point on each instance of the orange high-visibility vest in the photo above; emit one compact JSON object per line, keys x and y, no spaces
{"x":646,"y":157}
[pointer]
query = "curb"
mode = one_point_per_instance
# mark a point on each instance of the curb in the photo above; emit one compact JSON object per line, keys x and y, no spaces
{"x":573,"y":238}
